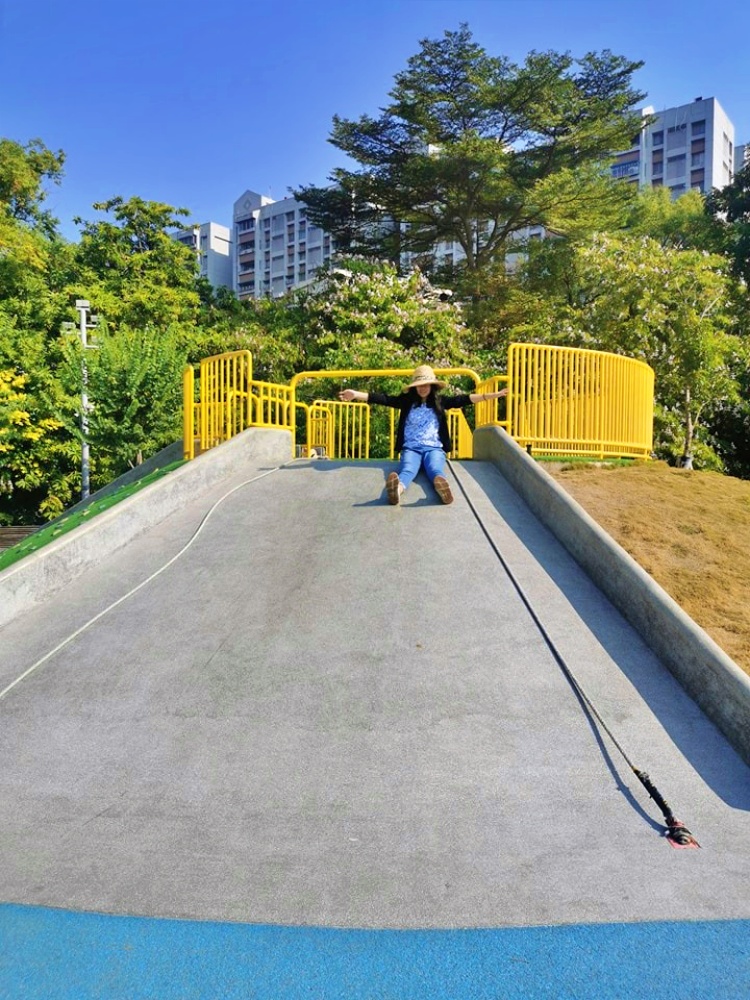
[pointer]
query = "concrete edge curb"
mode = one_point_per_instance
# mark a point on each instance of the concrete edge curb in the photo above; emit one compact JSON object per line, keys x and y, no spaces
{"x":711,"y":678}
{"x":172,"y":453}
{"x":36,"y":577}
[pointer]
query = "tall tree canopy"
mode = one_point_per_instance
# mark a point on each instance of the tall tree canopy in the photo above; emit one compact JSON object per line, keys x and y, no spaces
{"x":730,"y":206}
{"x":668,"y":307}
{"x":23,"y":173}
{"x":131,"y":268}
{"x":474,"y":149}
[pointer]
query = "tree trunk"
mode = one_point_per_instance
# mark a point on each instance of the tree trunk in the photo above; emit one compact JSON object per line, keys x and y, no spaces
{"x":686,"y":462}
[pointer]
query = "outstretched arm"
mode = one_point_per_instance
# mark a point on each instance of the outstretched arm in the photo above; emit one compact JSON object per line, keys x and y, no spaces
{"x":353,"y":396}
{"x":480,"y":397}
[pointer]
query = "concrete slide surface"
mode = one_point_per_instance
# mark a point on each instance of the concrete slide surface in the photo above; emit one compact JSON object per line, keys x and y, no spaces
{"x":328,"y":747}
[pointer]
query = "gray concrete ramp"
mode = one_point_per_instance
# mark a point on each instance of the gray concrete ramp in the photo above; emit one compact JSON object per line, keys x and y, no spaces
{"x":331,"y":711}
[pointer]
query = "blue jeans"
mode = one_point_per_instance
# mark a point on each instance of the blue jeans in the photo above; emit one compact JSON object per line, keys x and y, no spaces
{"x":433,"y":460}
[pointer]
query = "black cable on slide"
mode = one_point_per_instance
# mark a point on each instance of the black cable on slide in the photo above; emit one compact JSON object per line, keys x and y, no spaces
{"x":677,"y":833}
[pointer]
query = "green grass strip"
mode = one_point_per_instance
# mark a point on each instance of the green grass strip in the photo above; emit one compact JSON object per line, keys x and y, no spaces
{"x":67,"y":522}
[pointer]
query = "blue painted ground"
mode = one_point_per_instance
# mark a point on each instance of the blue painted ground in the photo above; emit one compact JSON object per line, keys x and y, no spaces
{"x":58,"y":955}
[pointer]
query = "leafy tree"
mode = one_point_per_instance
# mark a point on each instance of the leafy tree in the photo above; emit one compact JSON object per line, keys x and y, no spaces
{"x":667,"y":307}
{"x":23,"y":173}
{"x":728,"y":419}
{"x":131,"y":269}
{"x":30,"y":249}
{"x":474,"y":149}
{"x":681,"y":223}
{"x":134,"y":386}
{"x":38,"y":457}
{"x":730,"y":207}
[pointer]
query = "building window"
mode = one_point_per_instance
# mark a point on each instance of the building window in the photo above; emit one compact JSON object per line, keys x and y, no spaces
{"x":677,"y":190}
{"x":657,"y":139}
{"x":628,"y":169}
{"x":698,"y":128}
{"x":698,"y":160}
{"x":676,"y":166}
{"x":676,"y":136}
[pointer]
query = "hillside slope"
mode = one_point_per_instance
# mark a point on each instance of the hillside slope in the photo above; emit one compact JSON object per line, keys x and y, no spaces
{"x":689,"y":530}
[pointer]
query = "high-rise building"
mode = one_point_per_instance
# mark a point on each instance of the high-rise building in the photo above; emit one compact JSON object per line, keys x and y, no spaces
{"x":213,"y":246}
{"x":691,"y":146}
{"x":276,"y":248}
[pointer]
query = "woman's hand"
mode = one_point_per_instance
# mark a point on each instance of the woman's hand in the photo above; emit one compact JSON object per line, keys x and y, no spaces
{"x":347,"y":395}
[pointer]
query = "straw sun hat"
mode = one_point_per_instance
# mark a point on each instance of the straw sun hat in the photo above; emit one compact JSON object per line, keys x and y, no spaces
{"x":424,"y":375}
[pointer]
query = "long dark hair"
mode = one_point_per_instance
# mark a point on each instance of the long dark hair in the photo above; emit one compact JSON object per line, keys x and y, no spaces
{"x":433,"y":400}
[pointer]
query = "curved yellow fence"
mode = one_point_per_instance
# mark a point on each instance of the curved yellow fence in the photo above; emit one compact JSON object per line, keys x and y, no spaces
{"x":562,"y":401}
{"x":567,"y":401}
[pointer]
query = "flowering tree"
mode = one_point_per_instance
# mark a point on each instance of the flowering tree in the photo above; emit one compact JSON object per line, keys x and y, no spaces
{"x":37,"y":457}
{"x":364,"y":315}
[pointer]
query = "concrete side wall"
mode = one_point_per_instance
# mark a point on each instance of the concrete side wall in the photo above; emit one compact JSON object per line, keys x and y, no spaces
{"x":33,"y":579}
{"x":709,"y":676}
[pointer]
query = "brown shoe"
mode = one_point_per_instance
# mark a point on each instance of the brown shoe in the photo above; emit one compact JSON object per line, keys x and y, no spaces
{"x":392,"y":488}
{"x":443,"y":489}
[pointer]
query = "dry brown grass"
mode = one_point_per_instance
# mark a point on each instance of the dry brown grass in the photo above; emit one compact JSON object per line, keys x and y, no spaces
{"x":689,"y":530}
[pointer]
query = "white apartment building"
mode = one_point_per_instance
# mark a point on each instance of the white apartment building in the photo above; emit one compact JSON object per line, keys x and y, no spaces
{"x":213,"y":246}
{"x":276,"y":248}
{"x":691,"y":146}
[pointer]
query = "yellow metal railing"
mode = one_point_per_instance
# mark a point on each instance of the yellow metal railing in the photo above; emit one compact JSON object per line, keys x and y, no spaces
{"x":561,"y":401}
{"x":461,"y":434}
{"x":224,"y":397}
{"x":190,"y":413}
{"x":568,"y":401}
{"x":271,"y":405}
{"x":487,"y":412}
{"x":339,"y":430}
{"x":230,"y":400}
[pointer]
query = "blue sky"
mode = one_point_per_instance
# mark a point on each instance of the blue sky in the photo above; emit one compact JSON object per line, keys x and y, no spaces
{"x":190,"y":102}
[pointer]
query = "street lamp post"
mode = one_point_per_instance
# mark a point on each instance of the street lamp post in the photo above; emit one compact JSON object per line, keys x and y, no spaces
{"x":85,"y":323}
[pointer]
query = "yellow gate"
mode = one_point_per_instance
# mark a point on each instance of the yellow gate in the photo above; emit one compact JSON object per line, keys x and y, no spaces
{"x":339,"y":430}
